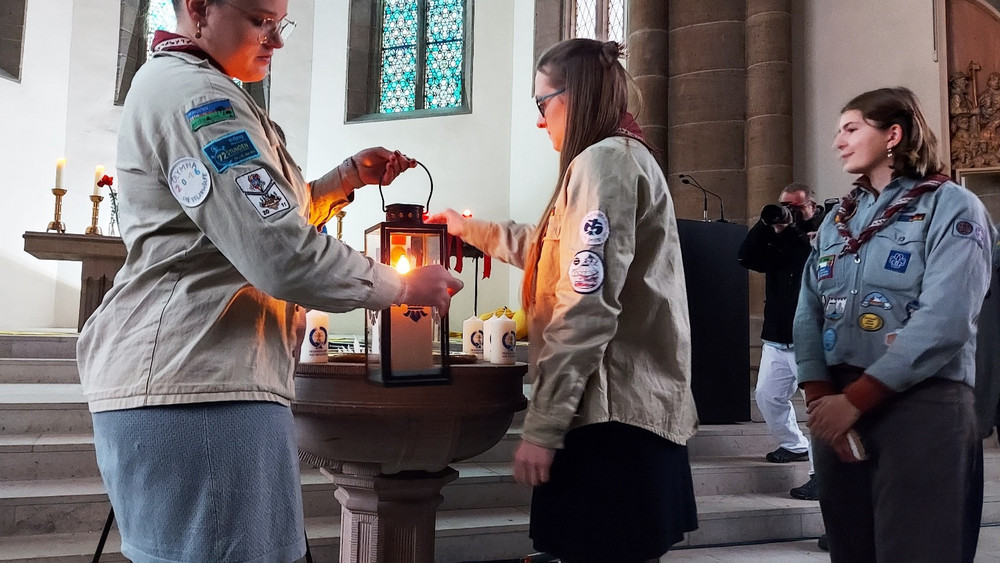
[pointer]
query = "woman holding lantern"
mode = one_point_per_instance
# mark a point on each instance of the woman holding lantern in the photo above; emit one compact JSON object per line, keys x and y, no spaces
{"x":611,"y":409}
{"x":187,"y":364}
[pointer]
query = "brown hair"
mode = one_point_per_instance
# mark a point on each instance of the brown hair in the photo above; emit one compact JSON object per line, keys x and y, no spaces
{"x":596,"y":87}
{"x":916,"y":153}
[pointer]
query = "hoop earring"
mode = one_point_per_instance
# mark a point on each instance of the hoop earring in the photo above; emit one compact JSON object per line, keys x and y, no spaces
{"x":197,"y":34}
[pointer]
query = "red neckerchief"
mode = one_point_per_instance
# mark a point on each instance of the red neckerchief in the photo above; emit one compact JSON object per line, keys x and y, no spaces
{"x":629,"y":128}
{"x":165,"y":41}
{"x":849,"y":205}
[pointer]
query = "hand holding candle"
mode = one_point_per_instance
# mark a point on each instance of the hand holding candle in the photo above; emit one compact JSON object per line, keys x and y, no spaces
{"x":60,"y":166}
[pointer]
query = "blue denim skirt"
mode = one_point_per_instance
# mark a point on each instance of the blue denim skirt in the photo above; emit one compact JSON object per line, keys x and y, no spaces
{"x":203,"y":482}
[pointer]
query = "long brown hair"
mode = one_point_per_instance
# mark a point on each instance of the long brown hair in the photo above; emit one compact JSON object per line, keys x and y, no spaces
{"x":916,"y":153}
{"x":596,"y":90}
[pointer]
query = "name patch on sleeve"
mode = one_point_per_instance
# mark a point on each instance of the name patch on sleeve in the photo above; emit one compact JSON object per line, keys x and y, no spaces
{"x":230,"y":150}
{"x":212,"y":112}
{"x":963,"y":228}
{"x":265,"y":195}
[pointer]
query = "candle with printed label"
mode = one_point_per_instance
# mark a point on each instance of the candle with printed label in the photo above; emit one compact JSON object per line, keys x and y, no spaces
{"x":503,"y":334}
{"x":314,"y":345}
{"x":98,"y":174}
{"x":472,"y":336}
{"x":60,"y":166}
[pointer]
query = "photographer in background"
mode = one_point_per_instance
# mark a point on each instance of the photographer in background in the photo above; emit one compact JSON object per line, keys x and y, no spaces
{"x":778,"y":246}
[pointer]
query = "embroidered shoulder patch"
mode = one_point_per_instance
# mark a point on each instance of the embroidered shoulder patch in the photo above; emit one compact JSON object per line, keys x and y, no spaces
{"x":261,"y":191}
{"x":230,"y":150}
{"x":586,"y":272}
{"x":594,"y":229}
{"x":897,"y":261}
{"x":911,"y":217}
{"x":212,"y":112}
{"x":189,"y":181}
{"x":963,"y":228}
{"x":824,"y":266}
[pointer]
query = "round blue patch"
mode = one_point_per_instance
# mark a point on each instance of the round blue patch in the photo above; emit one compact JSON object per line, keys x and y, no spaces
{"x":829,"y":339}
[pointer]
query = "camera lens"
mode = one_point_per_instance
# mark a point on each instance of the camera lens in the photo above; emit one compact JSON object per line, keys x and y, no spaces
{"x":772,"y":214}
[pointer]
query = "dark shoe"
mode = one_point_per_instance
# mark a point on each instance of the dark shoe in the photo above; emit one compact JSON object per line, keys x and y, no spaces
{"x":808,"y":491}
{"x":823,"y":544}
{"x":781,"y":455}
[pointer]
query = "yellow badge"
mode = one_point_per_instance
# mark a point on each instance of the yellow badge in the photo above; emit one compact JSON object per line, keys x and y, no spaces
{"x":870,"y":322}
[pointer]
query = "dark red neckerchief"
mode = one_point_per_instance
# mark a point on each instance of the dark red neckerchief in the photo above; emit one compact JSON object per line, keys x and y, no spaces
{"x":849,"y":205}
{"x":629,"y":128}
{"x":165,"y":41}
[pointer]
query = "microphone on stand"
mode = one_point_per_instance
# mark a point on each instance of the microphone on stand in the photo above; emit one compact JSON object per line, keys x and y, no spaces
{"x":687,"y":179}
{"x":704,"y":193}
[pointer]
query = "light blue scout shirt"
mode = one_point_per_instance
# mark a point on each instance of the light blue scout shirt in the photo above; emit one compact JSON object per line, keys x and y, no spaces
{"x":921,"y":279}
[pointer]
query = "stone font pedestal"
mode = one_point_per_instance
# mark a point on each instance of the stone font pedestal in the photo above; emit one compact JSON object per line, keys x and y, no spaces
{"x":387,"y":518}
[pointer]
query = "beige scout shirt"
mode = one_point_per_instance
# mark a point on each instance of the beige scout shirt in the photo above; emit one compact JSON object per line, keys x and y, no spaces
{"x":218,"y":223}
{"x":610,"y":336}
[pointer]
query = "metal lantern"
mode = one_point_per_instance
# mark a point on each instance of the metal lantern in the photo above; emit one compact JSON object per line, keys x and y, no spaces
{"x":405,"y":337}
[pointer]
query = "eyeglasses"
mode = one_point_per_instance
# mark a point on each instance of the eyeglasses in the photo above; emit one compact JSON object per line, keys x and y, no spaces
{"x":539,"y":100}
{"x":268,"y":26}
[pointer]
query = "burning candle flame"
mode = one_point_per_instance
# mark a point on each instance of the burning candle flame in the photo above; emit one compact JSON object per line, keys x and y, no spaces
{"x":467,"y":213}
{"x":403,"y":264}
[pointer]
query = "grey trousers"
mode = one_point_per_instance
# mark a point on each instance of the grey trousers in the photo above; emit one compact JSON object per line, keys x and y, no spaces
{"x":907,"y":502}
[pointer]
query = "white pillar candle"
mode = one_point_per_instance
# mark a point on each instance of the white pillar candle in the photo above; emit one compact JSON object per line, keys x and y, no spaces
{"x":472,"y":336}
{"x":489,"y":339}
{"x":502,"y":351}
{"x":98,"y":174}
{"x":314,"y":345}
{"x":60,"y":165}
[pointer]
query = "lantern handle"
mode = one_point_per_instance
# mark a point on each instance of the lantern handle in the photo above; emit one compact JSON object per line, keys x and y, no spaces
{"x":429,"y":177}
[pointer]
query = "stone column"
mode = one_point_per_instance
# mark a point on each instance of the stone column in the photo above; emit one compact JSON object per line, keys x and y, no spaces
{"x":707,"y":104}
{"x":647,"y":62}
{"x":769,"y":124}
{"x":388,"y":518}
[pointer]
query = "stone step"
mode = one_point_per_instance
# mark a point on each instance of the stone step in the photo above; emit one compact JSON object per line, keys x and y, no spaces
{"x":43,"y":408}
{"x":29,"y":370}
{"x":47,"y":344}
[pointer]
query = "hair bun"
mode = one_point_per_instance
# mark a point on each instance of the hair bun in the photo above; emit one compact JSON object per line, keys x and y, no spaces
{"x":611,"y":51}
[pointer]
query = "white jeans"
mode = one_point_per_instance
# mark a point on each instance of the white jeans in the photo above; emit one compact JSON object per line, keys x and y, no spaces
{"x":776,"y":385}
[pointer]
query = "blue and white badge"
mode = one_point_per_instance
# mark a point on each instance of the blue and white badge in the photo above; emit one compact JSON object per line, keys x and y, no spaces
{"x":829,"y":339}
{"x":595,"y":229}
{"x":824,"y":266}
{"x":897,"y":261}
{"x":876,"y":299}
{"x":963,"y":228}
{"x":265,"y":195}
{"x":835,"y":307}
{"x":586,"y":272}
{"x":189,"y":181}
{"x":230,"y":150}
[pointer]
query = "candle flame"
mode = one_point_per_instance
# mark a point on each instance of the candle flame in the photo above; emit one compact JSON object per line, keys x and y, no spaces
{"x":467,"y":213}
{"x":403,"y":264}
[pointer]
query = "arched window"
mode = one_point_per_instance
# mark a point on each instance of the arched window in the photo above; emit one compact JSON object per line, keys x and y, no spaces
{"x":412,"y":59}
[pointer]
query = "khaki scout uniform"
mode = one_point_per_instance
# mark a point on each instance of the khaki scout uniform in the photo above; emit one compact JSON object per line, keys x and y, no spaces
{"x":610,"y":336}
{"x":222,"y":250}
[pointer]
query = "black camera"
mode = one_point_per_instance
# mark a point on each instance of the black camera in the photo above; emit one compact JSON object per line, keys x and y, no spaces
{"x":780,"y":214}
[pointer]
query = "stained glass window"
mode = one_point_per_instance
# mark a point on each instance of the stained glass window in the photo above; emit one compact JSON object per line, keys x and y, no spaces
{"x":161,"y":16}
{"x":423,"y":55}
{"x":598,"y":19}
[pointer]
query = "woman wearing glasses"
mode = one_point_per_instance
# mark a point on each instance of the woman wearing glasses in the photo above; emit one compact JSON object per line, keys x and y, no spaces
{"x":187,"y":364}
{"x":611,"y":409}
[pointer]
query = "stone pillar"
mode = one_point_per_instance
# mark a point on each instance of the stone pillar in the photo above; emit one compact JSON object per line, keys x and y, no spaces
{"x":707,"y":104}
{"x":769,"y":124}
{"x":647,"y":62}
{"x":387,"y":518}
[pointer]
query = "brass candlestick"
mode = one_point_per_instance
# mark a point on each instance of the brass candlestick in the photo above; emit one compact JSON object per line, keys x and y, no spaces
{"x":340,"y":224}
{"x":93,"y":229}
{"x":56,"y":224}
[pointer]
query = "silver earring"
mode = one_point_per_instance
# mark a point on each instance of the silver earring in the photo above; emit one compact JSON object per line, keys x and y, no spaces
{"x":889,"y":152}
{"x":197,"y":34}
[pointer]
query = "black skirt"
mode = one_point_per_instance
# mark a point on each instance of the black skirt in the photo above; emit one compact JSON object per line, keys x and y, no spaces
{"x":616,"y":493}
